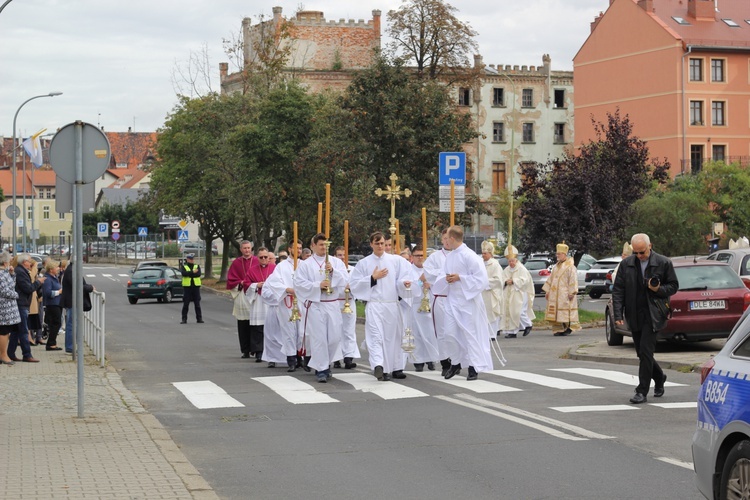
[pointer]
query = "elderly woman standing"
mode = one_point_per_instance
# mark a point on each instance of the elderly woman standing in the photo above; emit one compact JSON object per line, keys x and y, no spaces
{"x":493,"y":295}
{"x":9,"y":317}
{"x":53,"y":310}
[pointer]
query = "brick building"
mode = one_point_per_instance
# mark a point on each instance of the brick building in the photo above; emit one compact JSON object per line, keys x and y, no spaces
{"x":678,"y":69}
{"x":322,"y":53}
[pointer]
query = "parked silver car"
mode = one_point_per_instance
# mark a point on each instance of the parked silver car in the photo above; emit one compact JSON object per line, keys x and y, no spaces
{"x":539,"y":270}
{"x":738,"y":259}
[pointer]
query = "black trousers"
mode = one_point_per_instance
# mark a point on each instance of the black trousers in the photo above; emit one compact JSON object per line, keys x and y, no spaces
{"x":191,"y":294}
{"x":644,"y":339}
{"x":251,"y":337}
{"x":53,"y":319}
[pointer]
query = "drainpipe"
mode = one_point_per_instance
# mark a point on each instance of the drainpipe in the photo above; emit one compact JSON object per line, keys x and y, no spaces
{"x":685,"y":112}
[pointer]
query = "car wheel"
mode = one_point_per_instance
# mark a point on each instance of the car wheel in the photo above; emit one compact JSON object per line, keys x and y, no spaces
{"x":613,"y":338}
{"x":132,"y":300}
{"x":167,"y":297}
{"x":735,"y":477}
{"x":595,"y":295}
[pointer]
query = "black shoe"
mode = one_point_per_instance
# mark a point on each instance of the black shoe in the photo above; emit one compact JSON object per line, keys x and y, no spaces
{"x":659,"y":389}
{"x":453,"y":371}
{"x":399,"y":374}
{"x":307,"y":361}
{"x":512,"y":335}
{"x":300,"y":364}
{"x":321,"y":376}
{"x":386,"y":377}
{"x":526,"y":331}
{"x":472,"y":374}
{"x":291,"y":362}
{"x":638,"y":398}
{"x":349,"y":364}
{"x":562,"y":334}
{"x":446,"y":365}
{"x":379,"y":372}
{"x":271,"y":364}
{"x":183,"y":322}
{"x":337,"y":364}
{"x":245,"y":355}
{"x":201,"y":321}
{"x":431,"y":366}
{"x":419,"y":367}
{"x":258,"y":355}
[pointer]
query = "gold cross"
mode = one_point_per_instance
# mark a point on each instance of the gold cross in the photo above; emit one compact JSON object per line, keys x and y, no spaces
{"x":393,"y":193}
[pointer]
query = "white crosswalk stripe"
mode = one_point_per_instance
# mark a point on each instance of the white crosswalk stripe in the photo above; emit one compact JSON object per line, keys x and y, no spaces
{"x":367,"y":383}
{"x":294,"y":390}
{"x":611,"y":375}
{"x":125,"y":275}
{"x":205,"y":394}
{"x":533,"y":378}
{"x":478,"y":386}
{"x":592,"y":408}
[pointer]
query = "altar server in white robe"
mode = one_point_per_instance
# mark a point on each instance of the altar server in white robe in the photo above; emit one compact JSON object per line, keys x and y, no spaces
{"x":493,"y":295}
{"x":434,"y":275}
{"x":425,"y":341}
{"x":465,"y":317}
{"x":349,"y":348}
{"x":378,"y":279}
{"x":322,"y":326}
{"x":280,"y":334}
{"x":518,"y":293}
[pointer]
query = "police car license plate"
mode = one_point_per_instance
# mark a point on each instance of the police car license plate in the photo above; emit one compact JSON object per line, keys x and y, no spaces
{"x":707,"y":304}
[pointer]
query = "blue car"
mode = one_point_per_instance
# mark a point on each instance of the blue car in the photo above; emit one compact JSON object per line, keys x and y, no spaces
{"x":721,"y":443}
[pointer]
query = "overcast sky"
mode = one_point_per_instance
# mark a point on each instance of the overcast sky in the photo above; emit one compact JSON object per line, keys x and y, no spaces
{"x":114,"y":60}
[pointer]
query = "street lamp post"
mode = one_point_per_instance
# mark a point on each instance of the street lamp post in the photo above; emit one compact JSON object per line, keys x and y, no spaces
{"x":15,"y":208}
{"x":512,"y":161}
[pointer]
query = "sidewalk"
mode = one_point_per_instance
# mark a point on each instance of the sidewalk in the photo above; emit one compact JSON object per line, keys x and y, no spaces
{"x":117,"y":451}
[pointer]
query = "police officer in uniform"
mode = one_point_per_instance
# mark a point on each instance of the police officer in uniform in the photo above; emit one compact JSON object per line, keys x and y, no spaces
{"x":191,"y":286}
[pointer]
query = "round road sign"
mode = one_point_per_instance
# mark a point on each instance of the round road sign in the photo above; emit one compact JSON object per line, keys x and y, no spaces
{"x":94,"y":154}
{"x":13,"y":212}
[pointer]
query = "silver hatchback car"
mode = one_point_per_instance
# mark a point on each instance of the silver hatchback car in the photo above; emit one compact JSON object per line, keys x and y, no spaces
{"x":721,"y":443}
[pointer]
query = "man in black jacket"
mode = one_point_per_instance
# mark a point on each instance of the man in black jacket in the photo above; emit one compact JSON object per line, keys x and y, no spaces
{"x":24,"y":288}
{"x":67,"y":302}
{"x":642,"y":287}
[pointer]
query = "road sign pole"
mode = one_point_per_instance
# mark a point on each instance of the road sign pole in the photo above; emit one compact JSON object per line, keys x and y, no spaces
{"x":78,"y":263}
{"x":453,"y":202}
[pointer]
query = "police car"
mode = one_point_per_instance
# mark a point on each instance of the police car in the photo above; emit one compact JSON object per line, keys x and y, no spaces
{"x":721,"y":443}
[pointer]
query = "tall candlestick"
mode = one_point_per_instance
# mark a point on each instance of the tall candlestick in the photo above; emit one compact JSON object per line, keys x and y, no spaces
{"x":320,"y":217}
{"x":346,"y":243}
{"x":294,"y":250}
{"x":424,"y":232}
{"x":328,"y":210}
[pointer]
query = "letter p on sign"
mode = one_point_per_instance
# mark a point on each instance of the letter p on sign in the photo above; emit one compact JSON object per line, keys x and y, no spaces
{"x":452,"y":167}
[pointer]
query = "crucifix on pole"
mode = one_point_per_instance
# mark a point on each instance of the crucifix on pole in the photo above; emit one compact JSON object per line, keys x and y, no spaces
{"x":393,"y":193}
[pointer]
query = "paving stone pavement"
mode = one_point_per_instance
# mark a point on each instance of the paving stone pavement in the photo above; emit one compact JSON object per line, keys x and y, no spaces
{"x":116,"y":451}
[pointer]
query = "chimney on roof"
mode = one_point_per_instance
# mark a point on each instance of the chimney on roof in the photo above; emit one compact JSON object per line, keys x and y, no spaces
{"x":702,"y":10}
{"x":130,"y":129}
{"x":223,"y":71}
{"x":647,"y":5}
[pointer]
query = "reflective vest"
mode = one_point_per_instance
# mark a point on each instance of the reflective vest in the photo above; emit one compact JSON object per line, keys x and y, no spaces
{"x":186,"y":279}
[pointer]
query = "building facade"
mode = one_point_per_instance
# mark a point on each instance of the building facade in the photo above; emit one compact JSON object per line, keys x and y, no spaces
{"x":680,"y":70}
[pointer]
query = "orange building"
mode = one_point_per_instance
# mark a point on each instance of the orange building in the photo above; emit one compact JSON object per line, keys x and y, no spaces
{"x":680,"y":69}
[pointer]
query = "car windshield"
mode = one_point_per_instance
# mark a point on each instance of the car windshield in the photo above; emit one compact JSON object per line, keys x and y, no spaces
{"x":145,"y":274}
{"x":535,"y":265}
{"x":707,"y":278}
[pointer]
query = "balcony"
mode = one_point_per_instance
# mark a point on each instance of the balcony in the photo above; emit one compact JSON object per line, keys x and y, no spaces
{"x":695,"y":165}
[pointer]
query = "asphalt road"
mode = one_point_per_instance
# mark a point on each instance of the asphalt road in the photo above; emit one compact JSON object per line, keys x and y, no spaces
{"x":546,"y":427}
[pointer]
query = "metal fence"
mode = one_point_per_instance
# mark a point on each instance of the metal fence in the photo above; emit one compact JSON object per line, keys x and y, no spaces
{"x":93,"y":325}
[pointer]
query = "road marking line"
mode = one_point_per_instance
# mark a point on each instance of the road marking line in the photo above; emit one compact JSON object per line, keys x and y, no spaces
{"x":526,"y":414}
{"x":518,"y":420}
{"x":205,"y":394}
{"x":478,"y":386}
{"x":691,"y":404}
{"x":678,"y":463}
{"x":91,"y":275}
{"x":295,"y":391}
{"x":107,"y":275}
{"x":580,"y":409}
{"x":367,"y":383}
{"x":611,"y":375}
{"x":126,"y":275}
{"x":533,"y":378}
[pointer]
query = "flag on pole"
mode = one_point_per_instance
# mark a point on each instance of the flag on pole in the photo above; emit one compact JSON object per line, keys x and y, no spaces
{"x":33,"y":148}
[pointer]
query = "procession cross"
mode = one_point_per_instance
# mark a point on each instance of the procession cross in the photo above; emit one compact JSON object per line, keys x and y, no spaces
{"x":393,"y":193}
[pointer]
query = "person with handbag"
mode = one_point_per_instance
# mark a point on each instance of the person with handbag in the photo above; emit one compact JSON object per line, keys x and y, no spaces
{"x":9,"y":316}
{"x":640,"y":295}
{"x":67,"y":303}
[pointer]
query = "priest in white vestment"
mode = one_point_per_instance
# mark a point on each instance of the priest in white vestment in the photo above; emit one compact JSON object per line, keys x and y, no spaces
{"x":349,"y":348}
{"x":518,"y":294}
{"x":493,"y":294}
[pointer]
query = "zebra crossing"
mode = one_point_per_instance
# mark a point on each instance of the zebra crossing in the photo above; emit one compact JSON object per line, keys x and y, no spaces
{"x":305,"y":391}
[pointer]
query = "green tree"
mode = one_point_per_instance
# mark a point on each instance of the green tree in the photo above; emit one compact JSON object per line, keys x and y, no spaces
{"x":726,"y":188}
{"x":586,"y":198}
{"x":132,"y":215}
{"x":428,"y":35}
{"x":402,"y":124}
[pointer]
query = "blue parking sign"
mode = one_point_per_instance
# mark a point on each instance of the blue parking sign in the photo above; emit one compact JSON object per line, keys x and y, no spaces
{"x":452,"y":167}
